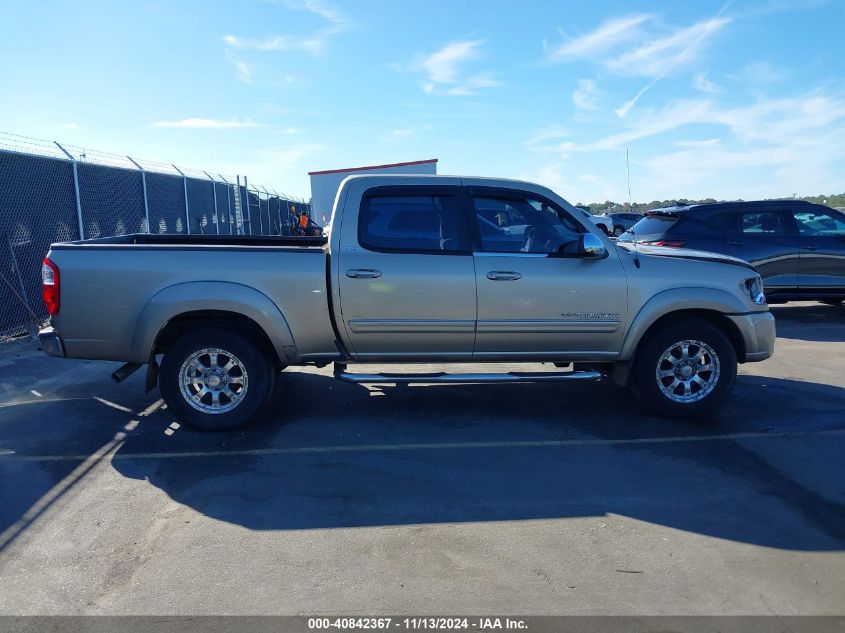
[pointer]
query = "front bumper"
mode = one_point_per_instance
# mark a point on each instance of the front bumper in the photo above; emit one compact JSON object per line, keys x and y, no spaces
{"x":758,"y":333}
{"x":50,"y":342}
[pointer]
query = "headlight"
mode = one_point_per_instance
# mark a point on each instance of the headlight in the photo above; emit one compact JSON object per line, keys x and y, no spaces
{"x":754,"y":287}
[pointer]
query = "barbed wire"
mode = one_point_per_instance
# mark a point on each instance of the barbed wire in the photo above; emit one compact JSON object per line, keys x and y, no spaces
{"x":9,"y":141}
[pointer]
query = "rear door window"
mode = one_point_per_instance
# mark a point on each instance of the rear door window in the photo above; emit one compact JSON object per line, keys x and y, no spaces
{"x":761,"y":223}
{"x":411,"y":223}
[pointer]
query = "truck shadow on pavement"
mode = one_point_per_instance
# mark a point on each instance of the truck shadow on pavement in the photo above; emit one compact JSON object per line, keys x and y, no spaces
{"x":332,"y":455}
{"x":766,"y":470}
{"x":810,"y":322}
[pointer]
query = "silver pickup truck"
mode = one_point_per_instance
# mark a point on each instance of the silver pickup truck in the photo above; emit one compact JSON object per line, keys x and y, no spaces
{"x":433,"y":269}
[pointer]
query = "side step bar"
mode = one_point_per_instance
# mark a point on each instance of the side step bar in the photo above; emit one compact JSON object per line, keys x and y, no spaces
{"x":441,"y":377}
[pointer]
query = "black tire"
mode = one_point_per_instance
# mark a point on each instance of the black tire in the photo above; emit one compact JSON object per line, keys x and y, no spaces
{"x":831,"y":302}
{"x":603,"y":228}
{"x":648,"y":361}
{"x":618,"y":230}
{"x":253,"y":367}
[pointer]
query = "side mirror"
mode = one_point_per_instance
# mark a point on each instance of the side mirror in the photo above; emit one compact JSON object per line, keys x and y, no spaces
{"x":590,"y":245}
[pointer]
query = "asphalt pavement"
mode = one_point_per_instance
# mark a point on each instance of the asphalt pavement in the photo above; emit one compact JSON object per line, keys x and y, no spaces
{"x":350,"y":499}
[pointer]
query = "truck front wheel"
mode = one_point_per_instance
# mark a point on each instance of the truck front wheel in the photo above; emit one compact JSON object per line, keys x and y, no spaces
{"x":684,"y":370}
{"x":214,"y":379}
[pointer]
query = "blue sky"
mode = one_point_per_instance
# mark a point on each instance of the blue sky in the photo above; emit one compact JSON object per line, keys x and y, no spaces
{"x":744,"y":99}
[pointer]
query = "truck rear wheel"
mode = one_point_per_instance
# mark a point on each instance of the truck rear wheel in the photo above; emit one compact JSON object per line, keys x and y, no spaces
{"x":214,"y":379}
{"x":685,"y":370}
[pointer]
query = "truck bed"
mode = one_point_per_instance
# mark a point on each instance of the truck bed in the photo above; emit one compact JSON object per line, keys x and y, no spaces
{"x":113,"y":289}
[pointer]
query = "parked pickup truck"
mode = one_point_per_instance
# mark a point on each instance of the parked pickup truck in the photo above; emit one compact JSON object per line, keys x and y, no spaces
{"x":428,"y":269}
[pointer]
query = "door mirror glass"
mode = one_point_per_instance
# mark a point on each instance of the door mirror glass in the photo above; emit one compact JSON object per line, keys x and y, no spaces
{"x":590,"y":245}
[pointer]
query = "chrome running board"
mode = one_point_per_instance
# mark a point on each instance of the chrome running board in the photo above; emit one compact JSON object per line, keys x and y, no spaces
{"x":441,"y":377}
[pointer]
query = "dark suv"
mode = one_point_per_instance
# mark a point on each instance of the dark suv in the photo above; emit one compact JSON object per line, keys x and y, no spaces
{"x":797,"y":247}
{"x":624,"y":221}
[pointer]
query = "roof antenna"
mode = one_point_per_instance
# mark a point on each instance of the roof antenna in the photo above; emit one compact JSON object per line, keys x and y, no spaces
{"x":631,"y":207}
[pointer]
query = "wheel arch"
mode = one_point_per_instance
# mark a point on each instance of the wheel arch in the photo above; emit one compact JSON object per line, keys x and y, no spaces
{"x":181,"y":307}
{"x":711,"y":305}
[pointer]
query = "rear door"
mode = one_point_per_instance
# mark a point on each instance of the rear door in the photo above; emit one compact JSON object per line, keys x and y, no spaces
{"x":537,"y":299}
{"x":406,"y":275}
{"x":766,"y":239}
{"x":821,"y":236}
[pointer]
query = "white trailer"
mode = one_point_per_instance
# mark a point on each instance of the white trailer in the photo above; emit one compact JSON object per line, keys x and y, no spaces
{"x":324,"y":184}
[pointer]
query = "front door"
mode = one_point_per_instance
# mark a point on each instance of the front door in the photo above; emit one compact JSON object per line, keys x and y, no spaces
{"x":766,"y":240}
{"x":406,"y":276}
{"x":537,"y":298}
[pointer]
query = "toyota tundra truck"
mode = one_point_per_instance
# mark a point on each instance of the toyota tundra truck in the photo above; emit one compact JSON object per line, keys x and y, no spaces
{"x":412,"y":269}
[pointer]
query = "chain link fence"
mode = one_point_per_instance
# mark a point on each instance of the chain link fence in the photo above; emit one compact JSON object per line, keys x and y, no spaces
{"x":57,"y":193}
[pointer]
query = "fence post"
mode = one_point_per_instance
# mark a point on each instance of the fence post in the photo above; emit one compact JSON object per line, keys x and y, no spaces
{"x":144,"y":185}
{"x":75,"y":190}
{"x":228,"y":204}
{"x":249,"y":211}
{"x":216,"y":213}
{"x":185,"y":187}
{"x":261,"y":213}
{"x":241,"y":203}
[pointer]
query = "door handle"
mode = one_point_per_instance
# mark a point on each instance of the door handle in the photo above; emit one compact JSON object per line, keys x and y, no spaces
{"x":503,"y":275}
{"x":810,"y":247}
{"x":736,"y":243}
{"x":363,"y":273}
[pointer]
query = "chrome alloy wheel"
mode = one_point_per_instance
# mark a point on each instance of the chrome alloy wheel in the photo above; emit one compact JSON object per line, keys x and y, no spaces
{"x":688,"y":371}
{"x":213,"y":381}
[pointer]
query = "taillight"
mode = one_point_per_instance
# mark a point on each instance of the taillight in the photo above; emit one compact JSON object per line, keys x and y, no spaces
{"x":672,"y":243}
{"x":50,"y":285}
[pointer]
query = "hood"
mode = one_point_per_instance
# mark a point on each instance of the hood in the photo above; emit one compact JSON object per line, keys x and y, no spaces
{"x":683,"y":253}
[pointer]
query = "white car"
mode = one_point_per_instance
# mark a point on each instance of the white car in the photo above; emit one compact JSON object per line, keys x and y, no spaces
{"x":604,"y":222}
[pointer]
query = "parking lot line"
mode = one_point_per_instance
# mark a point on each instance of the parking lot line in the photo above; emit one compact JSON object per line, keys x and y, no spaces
{"x":362,"y":448}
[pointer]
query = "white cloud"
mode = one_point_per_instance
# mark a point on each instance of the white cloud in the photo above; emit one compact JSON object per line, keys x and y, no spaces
{"x":291,"y":156}
{"x":244,"y":71}
{"x":759,"y":73}
{"x":196,"y":122}
{"x":585,"y":96}
{"x":766,"y":120}
{"x":600,"y":189}
{"x":338,"y":22}
{"x":548,"y":134}
{"x":314,"y":43}
{"x":474,"y":83}
{"x":398,"y":134}
{"x":662,"y":55}
{"x":278,"y":43}
{"x":797,"y":140}
{"x":658,"y":54}
{"x":709,"y":142}
{"x":442,"y":66}
{"x":703,"y":84}
{"x":443,"y":70}
{"x":608,"y":35}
